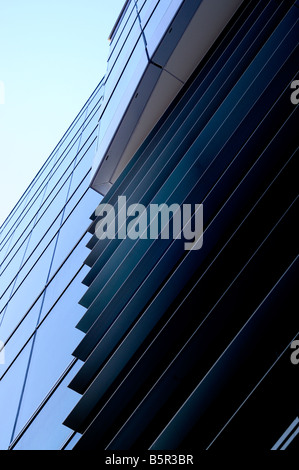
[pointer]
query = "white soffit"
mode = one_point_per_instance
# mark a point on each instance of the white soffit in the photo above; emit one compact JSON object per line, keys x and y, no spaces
{"x":208,"y":22}
{"x":158,"y":88}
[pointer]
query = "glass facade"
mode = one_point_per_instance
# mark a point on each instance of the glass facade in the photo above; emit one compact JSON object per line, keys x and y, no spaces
{"x":140,"y":344}
{"x":43,"y":247}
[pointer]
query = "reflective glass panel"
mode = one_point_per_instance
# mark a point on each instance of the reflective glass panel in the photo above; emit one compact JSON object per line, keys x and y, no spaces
{"x":52,"y":349}
{"x":46,"y":432}
{"x":126,"y":28}
{"x":122,"y":59}
{"x":156,"y":26}
{"x":10,"y":392}
{"x":27,"y":292}
{"x":122,"y":95}
{"x":122,"y":22}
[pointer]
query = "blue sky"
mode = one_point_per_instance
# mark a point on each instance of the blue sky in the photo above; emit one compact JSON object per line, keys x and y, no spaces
{"x":52,"y":55}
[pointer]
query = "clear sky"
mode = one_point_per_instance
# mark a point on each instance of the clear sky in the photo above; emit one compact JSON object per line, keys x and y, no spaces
{"x":53,"y":53}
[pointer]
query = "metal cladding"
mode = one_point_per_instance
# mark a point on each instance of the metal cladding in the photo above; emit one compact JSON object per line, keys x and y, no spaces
{"x":191,"y":349}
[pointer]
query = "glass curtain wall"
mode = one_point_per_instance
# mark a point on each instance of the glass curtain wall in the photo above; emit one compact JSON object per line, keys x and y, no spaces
{"x":43,"y":246}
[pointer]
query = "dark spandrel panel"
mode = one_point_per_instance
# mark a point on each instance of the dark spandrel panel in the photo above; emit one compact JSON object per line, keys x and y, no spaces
{"x":46,"y":432}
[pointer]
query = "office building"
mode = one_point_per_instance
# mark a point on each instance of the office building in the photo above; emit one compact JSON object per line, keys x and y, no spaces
{"x":137,"y":343}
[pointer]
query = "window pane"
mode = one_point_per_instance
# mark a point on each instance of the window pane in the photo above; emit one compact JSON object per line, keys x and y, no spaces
{"x":10,"y":392}
{"x":74,"y":227}
{"x":124,"y":19}
{"x":21,"y":335}
{"x":73,"y":441}
{"x":47,"y":432}
{"x":122,"y":59}
{"x":145,"y":9}
{"x":25,"y":224}
{"x":122,"y":95}
{"x":53,"y":347}
{"x":122,"y":39}
{"x":159,"y":22}
{"x":26,"y":294}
